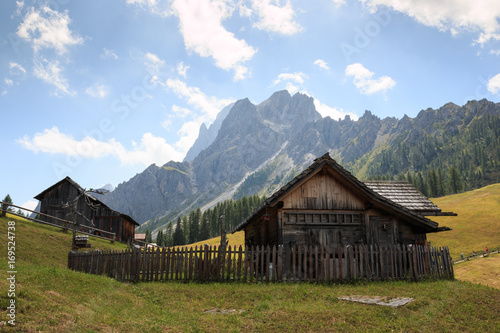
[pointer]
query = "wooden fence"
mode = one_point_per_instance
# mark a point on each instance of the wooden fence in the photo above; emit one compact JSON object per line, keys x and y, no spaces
{"x":276,"y":264}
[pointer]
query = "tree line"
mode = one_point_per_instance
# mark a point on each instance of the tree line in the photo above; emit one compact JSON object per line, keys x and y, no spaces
{"x":433,"y":183}
{"x":6,"y":208}
{"x":197,"y":225}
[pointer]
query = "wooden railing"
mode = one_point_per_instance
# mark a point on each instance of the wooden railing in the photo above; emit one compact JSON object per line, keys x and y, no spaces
{"x":276,"y":264}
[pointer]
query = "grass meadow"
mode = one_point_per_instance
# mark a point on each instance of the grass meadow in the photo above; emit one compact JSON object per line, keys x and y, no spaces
{"x":51,"y":298}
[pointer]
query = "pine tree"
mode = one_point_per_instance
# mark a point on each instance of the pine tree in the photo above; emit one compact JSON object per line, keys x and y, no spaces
{"x":440,"y":183}
{"x":185,"y":229}
{"x":432,"y":183}
{"x":159,"y":238}
{"x":178,"y":238}
{"x":168,"y":235}
{"x":148,"y":239}
{"x":6,"y":208}
{"x":194,"y":226}
{"x":455,"y":181}
{"x":204,"y":227}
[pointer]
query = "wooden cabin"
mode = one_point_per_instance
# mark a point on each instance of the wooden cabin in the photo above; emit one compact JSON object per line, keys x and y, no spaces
{"x":327,"y":206}
{"x":59,"y":200}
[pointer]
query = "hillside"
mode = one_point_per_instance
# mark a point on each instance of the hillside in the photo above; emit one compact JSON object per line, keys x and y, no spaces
{"x":485,"y":270}
{"x":51,"y":298}
{"x":477,"y":224}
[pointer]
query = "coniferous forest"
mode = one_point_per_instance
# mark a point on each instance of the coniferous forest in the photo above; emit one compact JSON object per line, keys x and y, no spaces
{"x":198,"y":225}
{"x":443,"y":162}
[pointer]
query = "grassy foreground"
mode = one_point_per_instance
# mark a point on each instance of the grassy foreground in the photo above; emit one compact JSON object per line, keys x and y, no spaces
{"x":50,"y":298}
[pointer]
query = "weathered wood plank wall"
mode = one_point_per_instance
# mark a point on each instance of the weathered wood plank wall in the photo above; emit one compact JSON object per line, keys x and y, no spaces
{"x":276,"y":264}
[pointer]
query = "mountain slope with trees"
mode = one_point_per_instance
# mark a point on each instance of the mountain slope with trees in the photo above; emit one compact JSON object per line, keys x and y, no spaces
{"x":259,"y":148}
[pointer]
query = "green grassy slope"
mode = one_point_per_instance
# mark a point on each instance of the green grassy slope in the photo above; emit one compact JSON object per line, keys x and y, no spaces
{"x":51,"y":298}
{"x":482,"y":270}
{"x":477,"y":225}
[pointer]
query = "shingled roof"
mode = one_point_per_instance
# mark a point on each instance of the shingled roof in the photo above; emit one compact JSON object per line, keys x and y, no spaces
{"x":384,"y":193}
{"x":405,"y":194}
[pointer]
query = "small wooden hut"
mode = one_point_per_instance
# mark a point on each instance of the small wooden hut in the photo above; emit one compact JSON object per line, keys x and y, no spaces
{"x":60,"y":199}
{"x":327,"y":206}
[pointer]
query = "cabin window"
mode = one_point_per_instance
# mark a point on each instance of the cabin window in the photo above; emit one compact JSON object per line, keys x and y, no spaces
{"x":323,"y":218}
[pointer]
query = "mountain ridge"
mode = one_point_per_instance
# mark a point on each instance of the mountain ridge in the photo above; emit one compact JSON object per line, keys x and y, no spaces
{"x":259,"y":147}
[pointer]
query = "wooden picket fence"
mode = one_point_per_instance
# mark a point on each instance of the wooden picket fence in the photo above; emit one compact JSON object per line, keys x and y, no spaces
{"x":276,"y":264}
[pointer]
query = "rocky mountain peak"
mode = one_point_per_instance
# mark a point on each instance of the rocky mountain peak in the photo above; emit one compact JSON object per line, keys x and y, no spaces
{"x":256,"y":148}
{"x":207,"y":135}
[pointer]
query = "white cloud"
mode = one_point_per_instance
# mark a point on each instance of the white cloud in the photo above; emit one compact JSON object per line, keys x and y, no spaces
{"x":297,"y":77}
{"x":322,"y":64}
{"x":182,"y":69}
{"x":97,"y":90}
{"x":241,"y":73}
{"x":158,"y":7}
{"x":189,"y":133}
{"x":201,"y":27}
{"x":494,"y":84}
{"x":338,"y":3}
{"x":108,"y":54}
{"x":292,"y":88}
{"x":150,"y":150}
{"x":18,"y":73}
{"x":153,"y":63}
{"x":54,"y":142}
{"x":16,"y":69}
{"x":495,"y":52}
{"x":48,"y":29}
{"x":291,"y":79}
{"x":334,"y":113}
{"x":20,"y":5}
{"x":209,"y":105}
{"x":180,"y":111}
{"x":31,"y":205}
{"x":166,"y":123}
{"x":275,"y":18}
{"x":451,"y":15}
{"x":50,"y":72}
{"x":362,"y":79}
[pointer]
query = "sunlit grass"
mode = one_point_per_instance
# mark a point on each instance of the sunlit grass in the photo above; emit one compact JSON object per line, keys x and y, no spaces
{"x":236,"y":239}
{"x":482,"y":270}
{"x":477,"y":225}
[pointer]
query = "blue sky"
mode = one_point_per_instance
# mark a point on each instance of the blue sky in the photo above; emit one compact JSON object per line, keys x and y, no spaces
{"x":99,"y":90}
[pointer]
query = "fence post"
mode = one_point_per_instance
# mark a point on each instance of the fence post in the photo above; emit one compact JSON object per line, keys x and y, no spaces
{"x":268,"y":259}
{"x":450,"y":260}
{"x":280,"y":263}
{"x":229,"y":262}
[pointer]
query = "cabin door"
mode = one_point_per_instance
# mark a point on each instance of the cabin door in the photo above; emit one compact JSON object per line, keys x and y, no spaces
{"x":382,"y":229}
